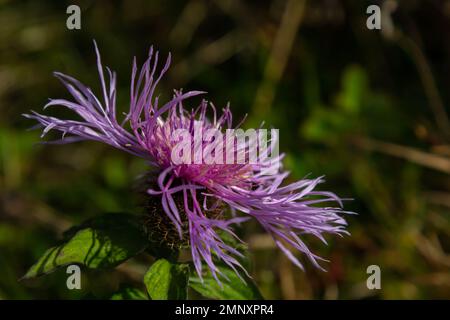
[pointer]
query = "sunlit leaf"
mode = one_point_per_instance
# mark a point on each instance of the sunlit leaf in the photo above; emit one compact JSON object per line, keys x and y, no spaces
{"x":100,"y":243}
{"x":165,"y":280}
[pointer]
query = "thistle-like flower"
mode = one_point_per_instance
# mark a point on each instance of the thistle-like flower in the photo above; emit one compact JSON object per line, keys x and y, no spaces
{"x":199,"y":200}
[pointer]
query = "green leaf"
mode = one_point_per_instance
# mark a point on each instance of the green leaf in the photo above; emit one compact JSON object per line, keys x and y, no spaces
{"x":234,"y":289}
{"x":129,"y":293}
{"x":167,"y":281}
{"x":104,"y":242}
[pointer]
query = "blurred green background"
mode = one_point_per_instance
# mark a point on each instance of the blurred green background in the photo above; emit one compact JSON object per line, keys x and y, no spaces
{"x":366,"y":108}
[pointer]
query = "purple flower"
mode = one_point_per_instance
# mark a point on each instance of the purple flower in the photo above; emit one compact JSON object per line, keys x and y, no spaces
{"x":285,"y":211}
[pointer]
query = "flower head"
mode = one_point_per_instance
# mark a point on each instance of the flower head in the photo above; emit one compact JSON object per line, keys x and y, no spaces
{"x":195,"y":196}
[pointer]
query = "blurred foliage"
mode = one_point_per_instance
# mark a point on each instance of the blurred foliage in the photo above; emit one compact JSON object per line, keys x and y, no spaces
{"x":361,"y":107}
